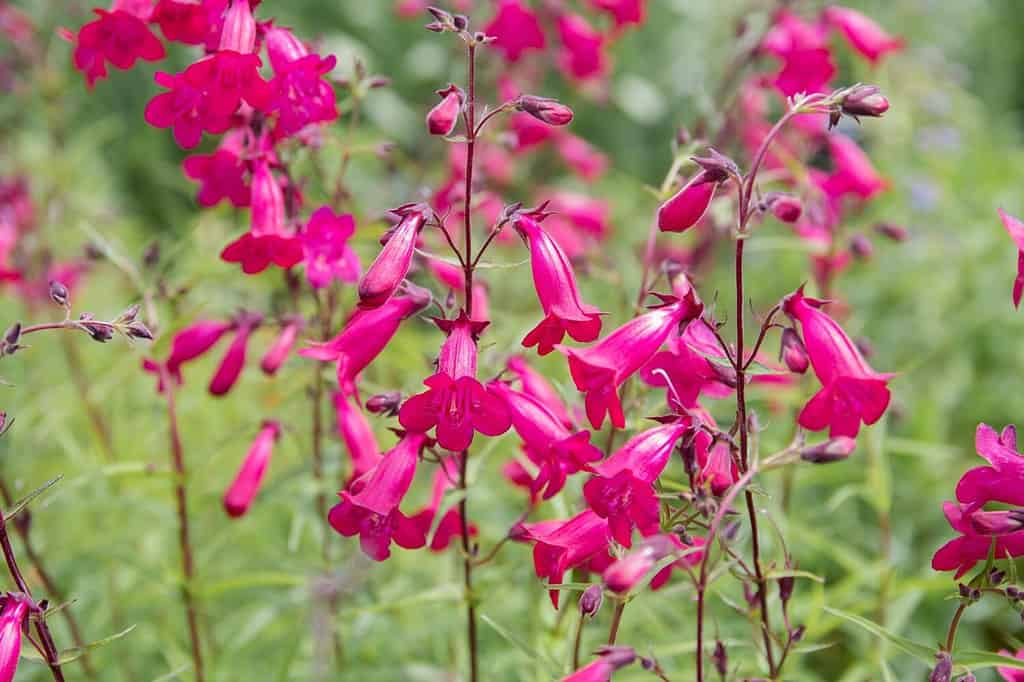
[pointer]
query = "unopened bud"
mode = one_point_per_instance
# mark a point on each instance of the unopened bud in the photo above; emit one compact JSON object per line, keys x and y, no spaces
{"x":591,"y":600}
{"x":864,"y":100}
{"x":99,"y":332}
{"x":129,"y":315}
{"x":718,"y":166}
{"x":786,"y":588}
{"x":798,"y":633}
{"x":996,"y":576}
{"x":720,"y":658}
{"x":792,"y":351}
{"x":997,"y":522}
{"x":460,"y":22}
{"x":11,"y":338}
{"x":895,"y":232}
{"x":617,"y":656}
{"x":943,"y":671}
{"x":385,"y":403}
{"x":151,"y":256}
{"x":378,"y":82}
{"x":785,"y":207}
{"x":138,"y":330}
{"x":832,"y":450}
{"x":59,"y":293}
{"x":441,"y":120}
{"x":861,"y":247}
{"x":550,"y":111}
{"x":1014,"y":593}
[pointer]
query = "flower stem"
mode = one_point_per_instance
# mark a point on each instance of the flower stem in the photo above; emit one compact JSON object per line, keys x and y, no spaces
{"x":577,"y":642}
{"x":954,"y":624}
{"x":613,"y":631}
{"x":467,"y":573}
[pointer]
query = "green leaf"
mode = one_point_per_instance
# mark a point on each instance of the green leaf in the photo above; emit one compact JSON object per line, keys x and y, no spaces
{"x":23,"y":502}
{"x":986,"y":659}
{"x":69,"y":655}
{"x":793,"y":573}
{"x":241,"y":582}
{"x":518,"y":643}
{"x":921,"y":652}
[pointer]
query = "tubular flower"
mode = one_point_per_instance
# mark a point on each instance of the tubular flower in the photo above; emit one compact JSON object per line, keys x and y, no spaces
{"x":1011,"y":674}
{"x":369,"y":508}
{"x":185,"y":110}
{"x":557,"y":451}
{"x":853,"y":172}
{"x":624,"y":575}
{"x":357,"y":435}
{"x":231,"y":364}
{"x":611,"y":658}
{"x":555,"y":282}
{"x":193,"y":341}
{"x":863,"y":34}
{"x":689,"y":204}
{"x":393,"y":262}
{"x":450,"y":525}
{"x":715,"y":466}
{"x":581,"y":157}
{"x":851,"y":391}
{"x":243,"y":489}
{"x":534,"y":384}
{"x":442,"y":118}
{"x":515,"y":30}
{"x":976,"y":540}
{"x":182,"y":21}
{"x":1000,"y":481}
{"x":120,"y":36}
{"x":365,"y":335}
{"x":599,"y":370}
{"x":282,"y":347}
{"x":298,"y":92}
{"x":327,"y":255}
{"x":12,"y":620}
{"x":582,"y":56}
{"x":560,"y":546}
{"x":807,"y":64}
{"x":624,"y":12}
{"x":267,"y":241}
{"x":221,"y":175}
{"x":1016,"y":230}
{"x":456,"y":403}
{"x":623,"y":490}
{"x":686,"y":370}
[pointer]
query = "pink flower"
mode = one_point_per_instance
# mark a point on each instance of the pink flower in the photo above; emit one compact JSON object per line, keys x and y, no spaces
{"x":357,"y":435}
{"x":442,"y":118}
{"x":689,"y":204}
{"x":328,"y":256}
{"x":582,"y":56}
{"x":624,"y":12}
{"x":515,"y":30}
{"x":686,"y":370}
{"x":624,"y":575}
{"x":300,"y":94}
{"x":545,"y":109}
{"x":555,"y":282}
{"x":563,"y":545}
{"x":182,"y":21}
{"x":863,"y":34}
{"x":803,"y":49}
{"x":599,"y":370}
{"x":450,"y":525}
{"x":267,"y":241}
{"x":853,"y":172}
{"x":1011,"y":674}
{"x":12,"y":621}
{"x":221,"y":175}
{"x":581,"y":157}
{"x":535,"y":385}
{"x":120,"y":37}
{"x":715,"y":466}
{"x":622,"y":490}
{"x":185,"y":110}
{"x":365,"y":335}
{"x":611,"y":659}
{"x":188,"y":344}
{"x":851,"y":391}
{"x":556,"y":450}
{"x":370,"y":508}
{"x":392,"y":263}
{"x":231,"y":364}
{"x":282,"y":347}
{"x":1016,"y":230}
{"x":243,"y":489}
{"x":1002,"y":480}
{"x":589,"y":215}
{"x":975,"y":541}
{"x":456,"y":403}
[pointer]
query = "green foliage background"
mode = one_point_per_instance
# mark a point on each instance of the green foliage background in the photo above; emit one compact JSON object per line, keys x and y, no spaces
{"x":936,"y":310}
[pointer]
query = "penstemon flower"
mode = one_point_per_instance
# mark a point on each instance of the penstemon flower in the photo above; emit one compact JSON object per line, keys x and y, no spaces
{"x":515,"y":30}
{"x":357,"y":435}
{"x":562,"y":545}
{"x":442,"y":118}
{"x":449,"y":526}
{"x":392,"y":264}
{"x":242,"y":491}
{"x":327,"y":255}
{"x":282,"y":347}
{"x":864,"y":35}
{"x":120,"y":36}
{"x":12,"y":620}
{"x":300,"y":93}
{"x":1016,"y":230}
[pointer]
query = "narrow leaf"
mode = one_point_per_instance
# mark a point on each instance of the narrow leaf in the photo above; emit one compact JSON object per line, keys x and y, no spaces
{"x":918,"y":651}
{"x":23,"y":502}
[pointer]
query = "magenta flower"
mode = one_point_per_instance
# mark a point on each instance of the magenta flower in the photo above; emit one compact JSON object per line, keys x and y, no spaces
{"x":626,"y":573}
{"x":442,"y":118}
{"x":1001,"y":480}
{"x":534,"y":384}
{"x":1011,"y":674}
{"x":686,"y":370}
{"x":807,"y":64}
{"x":357,"y":434}
{"x":581,"y":157}
{"x":328,"y":256}
{"x":242,"y":491}
{"x":299,"y":92}
{"x":977,"y":536}
{"x":555,"y":282}
{"x":231,"y":364}
{"x":185,"y":110}
{"x":545,"y":109}
{"x":365,"y":335}
{"x":851,"y":391}
{"x":456,"y":403}
{"x":1016,"y":230}
{"x":623,"y":490}
{"x":267,"y":241}
{"x":588,"y":215}
{"x":624,"y":12}
{"x":853,"y":172}
{"x":221,"y":175}
{"x":450,"y":525}
{"x":119,"y":36}
{"x":715,"y":466}
{"x":582,"y":56}
{"x":560,"y":546}
{"x":392,"y":263}
{"x":611,"y":658}
{"x":863,"y":34}
{"x":182,"y":21}
{"x":195,"y":340}
{"x":599,"y":370}
{"x":12,"y":621}
{"x":556,"y":450}
{"x":370,"y":508}
{"x":282,"y":346}
{"x":515,"y":30}
{"x":689,"y":204}
{"x":693,"y":554}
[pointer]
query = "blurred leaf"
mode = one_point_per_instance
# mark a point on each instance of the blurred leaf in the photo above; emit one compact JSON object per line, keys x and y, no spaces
{"x":23,"y":502}
{"x":919,"y":651}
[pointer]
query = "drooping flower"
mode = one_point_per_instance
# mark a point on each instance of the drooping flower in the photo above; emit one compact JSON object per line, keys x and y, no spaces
{"x":582,"y":55}
{"x":626,"y":573}
{"x":392,"y":263}
{"x":366,"y":334}
{"x":120,"y":36}
{"x":282,"y":346}
{"x":195,"y":340}
{"x":230,"y":367}
{"x":268,"y":239}
{"x":715,"y":466}
{"x":450,"y":525}
{"x":555,"y":282}
{"x":370,"y":508}
{"x":1001,"y":480}
{"x":185,"y":109}
{"x":515,"y":30}
{"x":456,"y":403}
{"x":852,"y":392}
{"x":556,"y":450}
{"x":689,"y":204}
{"x":1016,"y":229}
{"x":442,"y":118}
{"x":599,"y":370}
{"x":864,"y":35}
{"x":182,"y":21}
{"x":300,"y":94}
{"x":624,"y":12}
{"x":12,"y":620}
{"x":328,"y":256}
{"x":622,"y":490}
{"x":610,"y":659}
{"x":545,"y":109}
{"x":534,"y":384}
{"x":853,"y":172}
{"x":978,"y":534}
{"x":242,"y":491}
{"x":357,"y":435}
{"x":807,"y":64}
{"x":686,"y":368}
{"x":221,"y":175}
{"x":560,"y":546}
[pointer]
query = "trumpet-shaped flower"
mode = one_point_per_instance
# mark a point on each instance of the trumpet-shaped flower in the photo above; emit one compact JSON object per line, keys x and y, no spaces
{"x":12,"y":620}
{"x":282,"y":347}
{"x":864,"y":35}
{"x":231,"y":365}
{"x":119,"y":36}
{"x":582,"y":56}
{"x":328,"y":256}
{"x":563,"y":545}
{"x":357,"y":435}
{"x":534,"y":384}
{"x":442,"y":118}
{"x":243,"y":489}
{"x":300,"y":94}
{"x":686,"y":370}
{"x":450,"y":524}
{"x":1016,"y":229}
{"x":392,"y":263}
{"x":853,"y":172}
{"x":515,"y":30}
{"x":221,"y":175}
{"x":689,"y":204}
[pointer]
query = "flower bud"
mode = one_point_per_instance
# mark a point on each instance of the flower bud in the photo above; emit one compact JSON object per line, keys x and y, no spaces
{"x":138,"y":330}
{"x":798,"y":633}
{"x":786,"y":588}
{"x":793,"y":352}
{"x":617,"y":656}
{"x":59,"y":293}
{"x":895,"y":232}
{"x":832,"y":450}
{"x":11,"y":338}
{"x":785,"y":207}
{"x":442,"y":118}
{"x":864,"y":100}
{"x":281,"y":348}
{"x":385,"y":403}
{"x":550,"y":111}
{"x":129,"y":315}
{"x":720,"y":658}
{"x":997,"y":522}
{"x":943,"y":671}
{"x":100,"y":332}
{"x":591,"y":600}
{"x":861,"y":247}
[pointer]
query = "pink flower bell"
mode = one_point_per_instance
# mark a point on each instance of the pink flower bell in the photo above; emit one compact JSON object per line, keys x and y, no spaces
{"x":863,"y":34}
{"x":515,"y":30}
{"x":120,"y":36}
{"x":534,"y":384}
{"x":853,"y":172}
{"x":851,"y":391}
{"x":449,"y":526}
{"x":300,"y":93}
{"x":610,"y":659}
{"x":456,"y":403}
{"x":555,"y":282}
{"x":327,"y":255}
{"x":626,"y":573}
{"x":221,"y":175}
{"x":195,"y":340}
{"x":282,"y":347}
{"x":243,"y":489}
{"x":624,"y":12}
{"x":687,"y":371}
{"x":12,"y":621}
{"x":370,"y":508}
{"x":442,"y":118}
{"x":231,"y":365}
{"x":599,"y":370}
{"x":560,"y":546}
{"x":1016,"y":230}
{"x":357,"y":435}
{"x":268,"y":240}
{"x":182,"y":21}
{"x":582,"y":56}
{"x":392,"y":263}
{"x":689,"y":204}
{"x":185,"y":109}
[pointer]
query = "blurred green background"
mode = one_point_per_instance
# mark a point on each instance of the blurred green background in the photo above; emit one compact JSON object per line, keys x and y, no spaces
{"x":936,"y":310}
